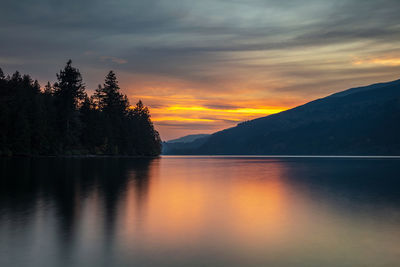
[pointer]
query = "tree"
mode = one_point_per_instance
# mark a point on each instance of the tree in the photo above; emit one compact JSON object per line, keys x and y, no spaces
{"x":148,"y":139}
{"x":111,"y":101}
{"x":70,"y":87}
{"x":69,"y":92}
{"x":113,"y":106}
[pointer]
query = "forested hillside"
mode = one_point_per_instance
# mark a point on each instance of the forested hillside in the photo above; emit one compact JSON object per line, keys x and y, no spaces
{"x":358,"y":121}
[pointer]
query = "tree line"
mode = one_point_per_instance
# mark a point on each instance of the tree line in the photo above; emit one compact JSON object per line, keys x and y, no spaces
{"x":62,"y":119}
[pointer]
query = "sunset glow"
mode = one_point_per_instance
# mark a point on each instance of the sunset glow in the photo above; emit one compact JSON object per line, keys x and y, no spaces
{"x":379,"y":61}
{"x":240,"y":110}
{"x":199,"y":113}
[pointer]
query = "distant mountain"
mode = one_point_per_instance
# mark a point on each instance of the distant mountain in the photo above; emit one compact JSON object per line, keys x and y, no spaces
{"x":187,"y":138}
{"x":358,"y":121}
{"x":184,"y":143}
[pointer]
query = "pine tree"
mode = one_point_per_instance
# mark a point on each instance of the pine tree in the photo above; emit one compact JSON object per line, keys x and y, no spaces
{"x":70,"y":87}
{"x":148,"y":141}
{"x":69,"y":92}
{"x":111,"y":101}
{"x":113,"y":106}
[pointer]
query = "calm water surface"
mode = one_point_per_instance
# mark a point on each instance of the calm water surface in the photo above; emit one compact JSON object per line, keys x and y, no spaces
{"x":199,"y":211}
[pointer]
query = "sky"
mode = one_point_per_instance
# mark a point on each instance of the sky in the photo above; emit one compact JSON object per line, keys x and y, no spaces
{"x":202,"y":66}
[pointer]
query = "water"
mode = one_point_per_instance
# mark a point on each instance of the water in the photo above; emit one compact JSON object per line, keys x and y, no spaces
{"x":200,"y":211}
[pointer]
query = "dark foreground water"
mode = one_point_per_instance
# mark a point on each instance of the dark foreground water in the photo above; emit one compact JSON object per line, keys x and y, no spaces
{"x":199,"y":211}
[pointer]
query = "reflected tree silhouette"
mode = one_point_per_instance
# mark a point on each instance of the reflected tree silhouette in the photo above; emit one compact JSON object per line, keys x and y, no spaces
{"x":64,"y":183}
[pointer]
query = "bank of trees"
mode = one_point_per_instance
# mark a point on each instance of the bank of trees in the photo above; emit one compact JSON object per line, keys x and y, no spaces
{"x":62,"y":119}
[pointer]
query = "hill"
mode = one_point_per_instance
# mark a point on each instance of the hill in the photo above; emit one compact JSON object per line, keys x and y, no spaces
{"x":358,"y":121}
{"x":187,"y":138}
{"x":182,"y":144}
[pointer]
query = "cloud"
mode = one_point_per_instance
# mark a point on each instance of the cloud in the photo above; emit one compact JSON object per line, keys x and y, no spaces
{"x":395,"y":61}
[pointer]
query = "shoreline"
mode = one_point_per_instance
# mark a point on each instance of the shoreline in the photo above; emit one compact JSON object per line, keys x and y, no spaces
{"x":77,"y":156}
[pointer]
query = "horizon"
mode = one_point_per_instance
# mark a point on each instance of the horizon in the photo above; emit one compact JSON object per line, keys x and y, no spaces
{"x":199,"y":68}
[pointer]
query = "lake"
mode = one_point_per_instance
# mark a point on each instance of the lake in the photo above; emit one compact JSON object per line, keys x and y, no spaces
{"x":200,"y":211}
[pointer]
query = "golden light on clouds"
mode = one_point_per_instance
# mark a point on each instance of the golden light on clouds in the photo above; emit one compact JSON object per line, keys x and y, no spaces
{"x":223,"y":117}
{"x":175,"y":115}
{"x":248,"y":111}
{"x":378,"y":61}
{"x":162,"y":119}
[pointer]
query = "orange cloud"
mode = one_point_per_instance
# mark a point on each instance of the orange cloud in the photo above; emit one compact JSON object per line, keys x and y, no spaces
{"x":378,"y":61}
{"x":162,"y":119}
{"x":206,"y":114}
{"x":204,"y":119}
{"x":249,"y":111}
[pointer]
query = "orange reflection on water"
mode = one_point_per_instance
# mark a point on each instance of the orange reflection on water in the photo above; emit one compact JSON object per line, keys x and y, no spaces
{"x":259,"y":209}
{"x":184,"y":206}
{"x":176,"y":210}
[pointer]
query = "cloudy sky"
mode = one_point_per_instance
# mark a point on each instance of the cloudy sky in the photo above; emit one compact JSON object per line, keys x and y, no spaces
{"x":202,"y":66}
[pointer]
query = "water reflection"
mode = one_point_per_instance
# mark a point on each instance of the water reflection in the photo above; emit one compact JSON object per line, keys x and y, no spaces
{"x":70,"y":206}
{"x":199,"y":211}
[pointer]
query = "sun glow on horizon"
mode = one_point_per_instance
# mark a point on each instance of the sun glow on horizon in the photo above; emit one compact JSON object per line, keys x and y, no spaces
{"x":162,"y":119}
{"x":176,"y":115}
{"x":224,"y":117}
{"x":261,"y":110}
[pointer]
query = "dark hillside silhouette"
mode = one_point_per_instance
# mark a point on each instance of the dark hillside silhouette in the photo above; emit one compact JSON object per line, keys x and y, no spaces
{"x":62,"y":119}
{"x":185,"y":143}
{"x":358,"y":121}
